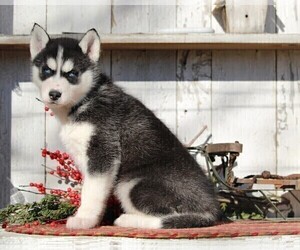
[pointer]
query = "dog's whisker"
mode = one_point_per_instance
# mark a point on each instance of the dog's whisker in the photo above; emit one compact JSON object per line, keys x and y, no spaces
{"x":39,"y":100}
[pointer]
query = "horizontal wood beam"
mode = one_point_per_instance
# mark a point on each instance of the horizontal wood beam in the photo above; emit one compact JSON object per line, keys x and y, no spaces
{"x":177,"y":41}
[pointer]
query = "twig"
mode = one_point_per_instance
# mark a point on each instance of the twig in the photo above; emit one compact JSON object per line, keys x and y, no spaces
{"x":196,"y":137}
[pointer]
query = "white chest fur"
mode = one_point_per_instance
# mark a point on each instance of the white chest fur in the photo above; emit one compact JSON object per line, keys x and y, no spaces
{"x":76,"y":138}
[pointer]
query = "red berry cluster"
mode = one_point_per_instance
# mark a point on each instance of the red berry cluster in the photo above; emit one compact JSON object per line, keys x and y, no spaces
{"x":40,"y":187}
{"x":47,"y":109}
{"x":66,"y":168}
{"x":72,"y":195}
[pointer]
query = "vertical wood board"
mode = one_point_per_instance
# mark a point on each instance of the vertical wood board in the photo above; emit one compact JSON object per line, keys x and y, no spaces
{"x":193,"y":95}
{"x":6,"y":19}
{"x":244,"y":106}
{"x":141,"y":18}
{"x":288,"y":111}
{"x":28,"y":137}
{"x":288,"y":13}
{"x":78,"y":17}
{"x":26,"y":14}
{"x":193,"y":75}
{"x":5,"y":134}
{"x":9,"y":77}
{"x":195,"y":14}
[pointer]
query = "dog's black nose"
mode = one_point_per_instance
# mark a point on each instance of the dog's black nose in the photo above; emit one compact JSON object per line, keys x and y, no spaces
{"x":54,"y":95}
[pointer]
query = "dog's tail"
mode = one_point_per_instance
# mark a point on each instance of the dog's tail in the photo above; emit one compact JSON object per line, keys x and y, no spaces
{"x":189,"y":220}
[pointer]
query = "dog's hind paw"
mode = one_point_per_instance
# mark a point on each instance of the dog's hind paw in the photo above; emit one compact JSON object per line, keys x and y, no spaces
{"x":75,"y":222}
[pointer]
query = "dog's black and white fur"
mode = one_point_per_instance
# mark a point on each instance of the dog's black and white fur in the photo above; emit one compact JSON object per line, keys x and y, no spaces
{"x":118,"y":144}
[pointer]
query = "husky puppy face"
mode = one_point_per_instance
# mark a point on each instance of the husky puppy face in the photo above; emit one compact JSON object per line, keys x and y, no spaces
{"x":63,"y":68}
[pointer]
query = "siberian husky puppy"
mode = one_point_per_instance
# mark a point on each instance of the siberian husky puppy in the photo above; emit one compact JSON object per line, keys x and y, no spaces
{"x":118,"y":143}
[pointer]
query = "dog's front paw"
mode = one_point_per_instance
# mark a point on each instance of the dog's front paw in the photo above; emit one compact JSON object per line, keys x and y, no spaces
{"x":76,"y":222}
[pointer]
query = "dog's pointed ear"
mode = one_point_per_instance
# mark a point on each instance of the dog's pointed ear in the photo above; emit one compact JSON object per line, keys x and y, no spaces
{"x":38,"y":41}
{"x":90,"y":45}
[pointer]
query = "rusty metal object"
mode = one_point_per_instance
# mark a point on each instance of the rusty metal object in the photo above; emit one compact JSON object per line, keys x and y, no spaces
{"x":280,"y":182}
{"x":224,"y":148}
{"x":241,"y":187}
{"x":228,"y":153}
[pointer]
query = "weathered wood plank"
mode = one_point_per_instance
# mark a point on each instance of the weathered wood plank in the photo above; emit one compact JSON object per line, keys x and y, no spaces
{"x":9,"y":77}
{"x":193,"y":94}
{"x":6,"y":18}
{"x":5,"y":134}
{"x":244,"y":106}
{"x":288,"y":12}
{"x":194,"y":14}
{"x":26,"y":13}
{"x":177,"y":41}
{"x":193,"y":75}
{"x":80,"y":17}
{"x":27,"y":122}
{"x":142,"y":18}
{"x":133,"y":18}
{"x":288,"y":111}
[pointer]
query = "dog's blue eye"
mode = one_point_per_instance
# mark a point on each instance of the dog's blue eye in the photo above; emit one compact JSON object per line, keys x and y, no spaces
{"x":72,"y":74}
{"x":47,"y":72}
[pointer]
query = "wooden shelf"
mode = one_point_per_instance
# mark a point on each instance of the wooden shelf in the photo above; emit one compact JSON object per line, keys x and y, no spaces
{"x":177,"y":41}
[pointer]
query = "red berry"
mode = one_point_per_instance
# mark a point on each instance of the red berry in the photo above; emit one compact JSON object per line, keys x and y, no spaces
{"x":52,"y":114}
{"x":65,"y":156}
{"x":36,"y":223}
{"x":31,"y":184}
{"x":53,"y":224}
{"x":46,"y":108}
{"x":27,"y":225}
{"x":51,"y":172}
{"x":40,"y":185}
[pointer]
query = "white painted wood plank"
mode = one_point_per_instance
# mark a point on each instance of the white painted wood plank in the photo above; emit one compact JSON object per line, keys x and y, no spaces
{"x":288,"y":12}
{"x":193,"y":75}
{"x":27,"y":139}
{"x":79,"y":17}
{"x":195,"y":14}
{"x":142,"y":18}
{"x":243,"y":16}
{"x":244,"y":106}
{"x":193,"y":95}
{"x":133,"y":18}
{"x":162,"y":17}
{"x":26,"y":13}
{"x":177,"y":41}
{"x":288,"y":111}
